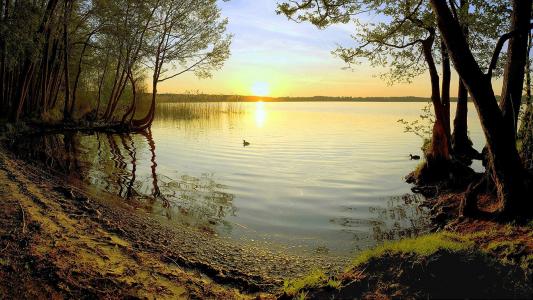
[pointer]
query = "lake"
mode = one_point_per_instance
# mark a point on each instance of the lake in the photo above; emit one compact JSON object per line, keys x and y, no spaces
{"x":322,"y":178}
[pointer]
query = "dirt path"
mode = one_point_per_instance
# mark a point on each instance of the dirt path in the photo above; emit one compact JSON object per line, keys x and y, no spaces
{"x":58,"y":242}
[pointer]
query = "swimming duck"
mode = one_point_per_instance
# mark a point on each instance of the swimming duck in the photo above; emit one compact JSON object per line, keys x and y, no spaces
{"x":414,"y":157}
{"x":245,"y":143}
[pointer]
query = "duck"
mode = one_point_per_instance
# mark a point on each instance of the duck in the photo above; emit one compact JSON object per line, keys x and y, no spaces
{"x":245,"y":143}
{"x":414,"y":157}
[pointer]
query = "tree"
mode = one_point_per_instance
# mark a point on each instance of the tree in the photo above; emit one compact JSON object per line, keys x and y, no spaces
{"x":186,"y":36}
{"x":506,"y":167}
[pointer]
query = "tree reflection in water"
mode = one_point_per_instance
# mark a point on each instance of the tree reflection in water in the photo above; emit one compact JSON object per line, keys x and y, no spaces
{"x":110,"y":162}
{"x":402,"y":217}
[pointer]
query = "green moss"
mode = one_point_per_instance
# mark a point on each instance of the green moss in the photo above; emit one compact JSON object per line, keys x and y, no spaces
{"x":423,"y":246}
{"x":315,"y":279}
{"x":504,"y":247}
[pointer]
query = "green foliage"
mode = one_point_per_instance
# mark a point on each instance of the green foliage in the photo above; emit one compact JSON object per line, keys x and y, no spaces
{"x":392,"y":36}
{"x":422,"y":127}
{"x":189,"y":36}
{"x":19,"y":33}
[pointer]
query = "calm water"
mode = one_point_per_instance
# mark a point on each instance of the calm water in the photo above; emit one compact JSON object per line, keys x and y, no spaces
{"x":316,"y":178}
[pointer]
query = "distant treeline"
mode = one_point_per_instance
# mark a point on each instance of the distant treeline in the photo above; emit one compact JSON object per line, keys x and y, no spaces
{"x":168,"y":98}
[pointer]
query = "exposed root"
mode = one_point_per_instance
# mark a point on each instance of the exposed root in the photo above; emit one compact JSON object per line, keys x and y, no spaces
{"x":434,"y":176}
{"x":469,"y":203}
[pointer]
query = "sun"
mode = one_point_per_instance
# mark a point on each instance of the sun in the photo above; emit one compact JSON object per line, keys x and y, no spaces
{"x":260,"y":89}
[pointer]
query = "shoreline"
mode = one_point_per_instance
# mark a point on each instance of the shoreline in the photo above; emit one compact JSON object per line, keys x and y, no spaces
{"x":62,"y":222}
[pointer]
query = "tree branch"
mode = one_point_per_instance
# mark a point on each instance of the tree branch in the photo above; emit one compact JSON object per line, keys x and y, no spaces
{"x":499,"y":47}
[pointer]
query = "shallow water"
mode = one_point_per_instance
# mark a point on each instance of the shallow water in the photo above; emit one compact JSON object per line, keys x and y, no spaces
{"x":317,"y":177}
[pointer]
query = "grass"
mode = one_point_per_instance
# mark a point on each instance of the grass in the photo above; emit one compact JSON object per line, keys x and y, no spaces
{"x":422,"y":246}
{"x":315,"y":279}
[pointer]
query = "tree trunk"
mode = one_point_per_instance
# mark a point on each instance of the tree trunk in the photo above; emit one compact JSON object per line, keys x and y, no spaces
{"x":445,"y":96}
{"x":526,"y":133}
{"x":78,"y":74}
{"x":115,"y":96}
{"x":100,"y":85}
{"x":146,"y":122}
{"x":507,"y":169}
{"x":462,"y":145}
{"x":439,"y":151}
{"x":513,"y":80}
{"x":115,"y":82}
{"x":528,"y":71}
{"x":66,"y":112}
{"x":2,"y":60}
{"x":526,"y":129}
{"x":131,"y":110}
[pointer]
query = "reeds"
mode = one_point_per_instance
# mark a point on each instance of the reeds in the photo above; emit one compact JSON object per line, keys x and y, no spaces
{"x":198,"y":110}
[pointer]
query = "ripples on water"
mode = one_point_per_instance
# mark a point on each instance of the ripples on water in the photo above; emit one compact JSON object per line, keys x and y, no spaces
{"x":317,"y":177}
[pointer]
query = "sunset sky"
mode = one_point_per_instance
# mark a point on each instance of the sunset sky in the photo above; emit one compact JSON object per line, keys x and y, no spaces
{"x":273,"y":56}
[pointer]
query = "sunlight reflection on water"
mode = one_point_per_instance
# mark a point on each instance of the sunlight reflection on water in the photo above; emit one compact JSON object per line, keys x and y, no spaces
{"x":260,"y":114}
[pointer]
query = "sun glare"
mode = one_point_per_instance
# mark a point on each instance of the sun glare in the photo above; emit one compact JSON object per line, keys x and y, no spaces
{"x":260,"y":114}
{"x":260,"y":89}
